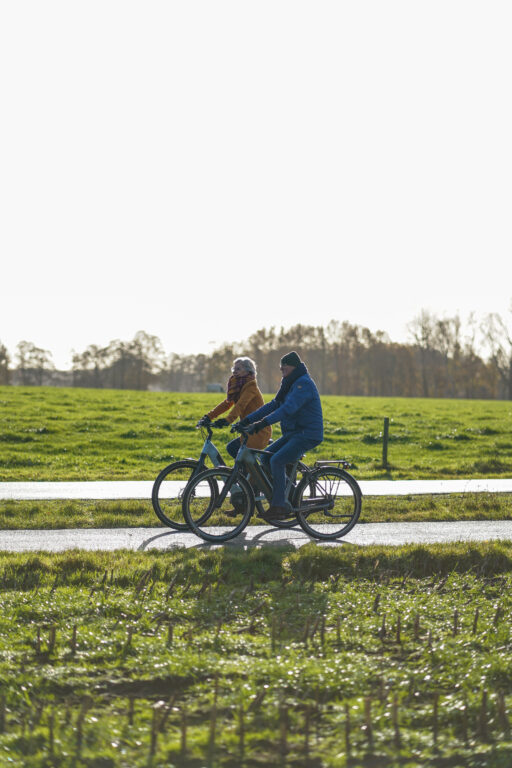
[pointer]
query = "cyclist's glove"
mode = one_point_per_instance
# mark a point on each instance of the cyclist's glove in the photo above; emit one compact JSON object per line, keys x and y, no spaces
{"x":253,"y":429}
{"x":238,"y":427}
{"x":204,"y":421}
{"x":220,"y":423}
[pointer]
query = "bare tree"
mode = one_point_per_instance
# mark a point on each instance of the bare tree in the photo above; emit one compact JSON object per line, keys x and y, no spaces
{"x":422,"y":330}
{"x":89,"y":367}
{"x":4,"y":365}
{"x":262,"y":348}
{"x":474,"y":377}
{"x":498,"y":336}
{"x":34,"y":364}
{"x":446,"y":342}
{"x":218,"y":366}
{"x":147,"y":357}
{"x":185,"y":373}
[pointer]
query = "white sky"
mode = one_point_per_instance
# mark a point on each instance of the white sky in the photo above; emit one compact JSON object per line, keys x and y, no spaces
{"x":200,"y":170}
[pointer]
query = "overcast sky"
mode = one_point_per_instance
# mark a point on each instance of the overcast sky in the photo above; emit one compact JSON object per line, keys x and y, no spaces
{"x":200,"y":170}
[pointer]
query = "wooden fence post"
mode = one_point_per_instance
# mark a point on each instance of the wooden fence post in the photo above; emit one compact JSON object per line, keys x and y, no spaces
{"x":385,"y":438}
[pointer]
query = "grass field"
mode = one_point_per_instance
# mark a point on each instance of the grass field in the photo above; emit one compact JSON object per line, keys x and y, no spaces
{"x":375,"y":657}
{"x":86,"y":434}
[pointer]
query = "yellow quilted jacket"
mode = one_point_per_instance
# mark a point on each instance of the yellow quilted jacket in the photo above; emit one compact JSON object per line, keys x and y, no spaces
{"x":250,"y":399}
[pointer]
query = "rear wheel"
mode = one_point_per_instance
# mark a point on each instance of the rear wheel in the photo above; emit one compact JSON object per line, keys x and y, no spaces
{"x":207,"y":516}
{"x":328,"y":503}
{"x":168,"y":490}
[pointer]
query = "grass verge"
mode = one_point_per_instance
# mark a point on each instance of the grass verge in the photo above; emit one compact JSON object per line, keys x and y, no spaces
{"x":127,"y":514}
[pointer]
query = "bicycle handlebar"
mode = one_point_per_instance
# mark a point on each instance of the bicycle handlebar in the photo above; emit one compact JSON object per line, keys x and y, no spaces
{"x":234,"y":428}
{"x":201,"y":425}
{"x":244,"y":434}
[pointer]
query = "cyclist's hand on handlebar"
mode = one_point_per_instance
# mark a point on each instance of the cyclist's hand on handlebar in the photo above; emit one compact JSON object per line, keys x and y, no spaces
{"x":244,"y":425}
{"x":220,"y":423}
{"x":240,"y":425}
{"x":253,"y":429}
{"x":204,"y":421}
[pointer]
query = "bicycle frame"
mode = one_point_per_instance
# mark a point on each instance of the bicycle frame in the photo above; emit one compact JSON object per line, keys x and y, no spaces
{"x":209,"y":450}
{"x":249,"y":459}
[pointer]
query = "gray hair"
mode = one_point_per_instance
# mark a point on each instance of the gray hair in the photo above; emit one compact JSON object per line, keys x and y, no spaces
{"x":249,"y":365}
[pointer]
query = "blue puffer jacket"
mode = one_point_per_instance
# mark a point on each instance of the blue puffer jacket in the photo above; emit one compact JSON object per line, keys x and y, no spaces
{"x":301,"y":410}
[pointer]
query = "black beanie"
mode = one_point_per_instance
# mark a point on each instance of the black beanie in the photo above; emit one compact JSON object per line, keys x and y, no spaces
{"x":291,"y":358}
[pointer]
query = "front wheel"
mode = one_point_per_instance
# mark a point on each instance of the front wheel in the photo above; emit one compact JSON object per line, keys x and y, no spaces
{"x":328,"y":502}
{"x":209,"y":515}
{"x":168,"y":490}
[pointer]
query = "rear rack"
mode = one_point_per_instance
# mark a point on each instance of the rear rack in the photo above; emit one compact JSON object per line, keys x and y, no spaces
{"x":337,"y":462}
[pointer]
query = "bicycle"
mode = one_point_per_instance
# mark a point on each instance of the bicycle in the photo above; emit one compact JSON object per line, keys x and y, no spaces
{"x":170,"y":485}
{"x":326,"y":502}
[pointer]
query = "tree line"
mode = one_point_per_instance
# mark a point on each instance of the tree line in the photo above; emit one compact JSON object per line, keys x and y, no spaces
{"x":445,"y":357}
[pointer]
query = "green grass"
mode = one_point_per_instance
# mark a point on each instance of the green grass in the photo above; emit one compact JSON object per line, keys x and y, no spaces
{"x":322,"y":657}
{"x":87,"y":434}
{"x":134,"y":514}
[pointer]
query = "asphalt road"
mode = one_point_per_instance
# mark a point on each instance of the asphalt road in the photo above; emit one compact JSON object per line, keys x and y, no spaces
{"x":142,"y":539}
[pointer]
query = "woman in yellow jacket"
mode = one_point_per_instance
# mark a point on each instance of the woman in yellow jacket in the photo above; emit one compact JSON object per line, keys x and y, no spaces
{"x":242,"y":397}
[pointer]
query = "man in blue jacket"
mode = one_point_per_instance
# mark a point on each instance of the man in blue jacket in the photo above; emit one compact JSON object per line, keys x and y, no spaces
{"x":297,"y":406}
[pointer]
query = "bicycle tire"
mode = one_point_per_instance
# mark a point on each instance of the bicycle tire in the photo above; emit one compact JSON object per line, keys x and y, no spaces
{"x":209,"y":522}
{"x":343,"y":500}
{"x":168,"y":508}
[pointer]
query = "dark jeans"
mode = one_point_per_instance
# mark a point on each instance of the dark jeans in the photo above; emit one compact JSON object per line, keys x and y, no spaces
{"x":286,"y":450}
